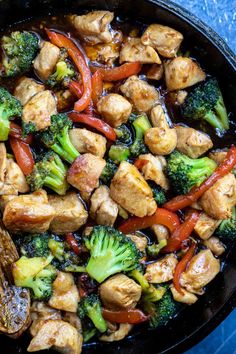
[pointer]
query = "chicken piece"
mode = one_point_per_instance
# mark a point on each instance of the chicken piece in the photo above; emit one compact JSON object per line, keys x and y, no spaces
{"x":180,"y":97}
{"x":73,"y":319}
{"x":45,"y":62}
{"x":86,"y":141}
{"x":103,"y":209}
{"x":94,"y":26}
{"x":28,"y":213}
{"x":115,"y":109}
{"x":130,"y":190}
{"x":104,"y":53}
{"x":164,"y":39}
{"x":153,"y":169}
{"x":182,"y":72}
{"x":142,"y":95}
{"x":27,"y":88}
{"x":219,"y":200}
{"x":139,"y":241}
{"x":155,"y":72}
{"x":70,"y":213}
{"x":120,"y":292}
{"x":162,"y":270}
{"x":39,"y":313}
{"x":161,"y":141}
{"x":65,"y":294}
{"x":192,"y":142}
{"x":202,"y":268}
{"x":206,"y":226}
{"x":84,"y":173}
{"x":65,"y":100}
{"x":3,"y":162}
{"x":39,"y":109}
{"x":218,"y":156}
{"x":158,"y":117}
{"x":215,"y":245}
{"x":161,"y":232}
{"x":59,"y":335}
{"x":4,"y":199}
{"x":15,"y":177}
{"x":133,"y":50}
{"x":186,"y":298}
{"x":119,"y":334}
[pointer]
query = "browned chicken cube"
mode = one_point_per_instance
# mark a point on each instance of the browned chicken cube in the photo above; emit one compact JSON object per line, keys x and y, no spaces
{"x":215,"y":245}
{"x":206,"y":226}
{"x":185,"y":297}
{"x":15,"y":177}
{"x":84,"y":173}
{"x":219,"y":156}
{"x":39,"y":313}
{"x":103,"y":209}
{"x":46,"y":60}
{"x":153,"y":169}
{"x":139,"y":241}
{"x":27,"y":88}
{"x":155,"y":72}
{"x":86,"y":141}
{"x":161,"y":141}
{"x":162,"y":270}
{"x":158,"y":117}
{"x":117,"y":335}
{"x":134,"y":51}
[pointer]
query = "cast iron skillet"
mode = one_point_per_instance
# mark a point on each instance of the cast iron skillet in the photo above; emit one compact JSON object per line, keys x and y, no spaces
{"x":197,"y":321}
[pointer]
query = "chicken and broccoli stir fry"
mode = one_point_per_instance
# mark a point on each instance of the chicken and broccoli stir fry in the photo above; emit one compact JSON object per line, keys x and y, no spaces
{"x":114,"y":213}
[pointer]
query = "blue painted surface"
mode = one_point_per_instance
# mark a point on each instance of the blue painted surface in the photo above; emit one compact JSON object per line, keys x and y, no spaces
{"x":221,"y":16}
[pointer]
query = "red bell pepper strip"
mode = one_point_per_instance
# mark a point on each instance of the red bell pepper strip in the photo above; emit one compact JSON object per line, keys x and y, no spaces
{"x":161,"y":216}
{"x":125,"y":316}
{"x":120,"y":72}
{"x":182,"y":232}
{"x":140,"y":163}
{"x":93,"y":122}
{"x":63,"y":41}
{"x":70,"y":239}
{"x":16,"y":132}
{"x":23,"y":155}
{"x":182,"y":201}
{"x":75,"y":88}
{"x":181,"y":266}
{"x":97,"y":86}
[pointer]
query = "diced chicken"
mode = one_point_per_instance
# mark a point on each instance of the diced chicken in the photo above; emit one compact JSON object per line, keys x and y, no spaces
{"x":6,"y":187}
{"x":139,"y":241}
{"x":28,"y":213}
{"x":115,"y":109}
{"x":104,"y":53}
{"x":119,"y":334}
{"x":15,"y":177}
{"x":70,"y":213}
{"x":215,"y":245}
{"x":155,"y":72}
{"x":4,"y":199}
{"x":120,"y":292}
{"x":87,"y":141}
{"x":64,"y":99}
{"x":158,"y":117}
{"x":27,"y":88}
{"x":161,"y":141}
{"x":202,"y":268}
{"x":130,"y":190}
{"x":164,"y":39}
{"x":39,"y":313}
{"x":59,"y":335}
{"x":84,"y":173}
{"x":73,"y":319}
{"x":39,"y":109}
{"x":46,"y":60}
{"x":182,"y":72}
{"x":153,"y":169}
{"x":3,"y":162}
{"x":65,"y":294}
{"x":142,"y":95}
{"x":133,"y":50}
{"x":206,"y":226}
{"x":161,"y":232}
{"x":218,"y":200}
{"x":94,"y":26}
{"x":103,"y":209}
{"x":186,"y":298}
{"x":162,"y":270}
{"x":218,"y":156}
{"x":192,"y":142}
{"x":180,"y":97}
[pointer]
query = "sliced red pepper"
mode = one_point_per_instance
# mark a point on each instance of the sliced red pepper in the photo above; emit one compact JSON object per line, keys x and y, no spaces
{"x":181,"y":266}
{"x":70,"y":239}
{"x":182,"y":201}
{"x":97,"y":86}
{"x":23,"y":155}
{"x":182,"y":232}
{"x":93,"y":122}
{"x":161,"y":216}
{"x":140,"y":163}
{"x":63,"y":41}
{"x":16,"y":132}
{"x":76,"y":88}
{"x":120,"y":72}
{"x":127,"y":316}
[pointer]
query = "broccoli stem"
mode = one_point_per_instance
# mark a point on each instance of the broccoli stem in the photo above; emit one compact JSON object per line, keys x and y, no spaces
{"x":212,"y":119}
{"x":119,"y":153}
{"x":222,"y":113}
{"x":4,"y":128}
{"x":67,"y":150}
{"x":97,"y":319}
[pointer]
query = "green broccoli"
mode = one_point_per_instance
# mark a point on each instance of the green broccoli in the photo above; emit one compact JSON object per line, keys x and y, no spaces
{"x":28,"y":128}
{"x":35,"y":273}
{"x":227,"y":228}
{"x":124,"y":135}
{"x":154,"y":249}
{"x":118,"y":153}
{"x":110,"y":252}
{"x":141,"y":124}
{"x":9,"y":107}
{"x":19,"y":49}
{"x":35,"y":245}
{"x":90,"y":306}
{"x":108,"y":172}
{"x":56,"y":137}
{"x":63,"y":74}
{"x":205,"y":102}
{"x":184,"y":172}
{"x":49,"y":172}
{"x":89,"y":331}
{"x":158,"y":193}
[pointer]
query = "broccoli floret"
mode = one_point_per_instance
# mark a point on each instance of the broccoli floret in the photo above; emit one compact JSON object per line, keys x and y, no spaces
{"x":9,"y":107}
{"x":35,"y":245}
{"x":227,"y":228}
{"x":110,"y":252}
{"x":35,"y":273}
{"x":90,"y":306}
{"x":141,"y":124}
{"x":49,"y":172}
{"x":108,"y":172}
{"x":56,"y":137}
{"x":63,"y":74}
{"x":205,"y":102}
{"x":184,"y":172}
{"x":119,"y":153}
{"x":19,"y":50}
{"x":124,"y":135}
{"x":154,"y":249}
{"x":28,"y":128}
{"x":158,"y":193}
